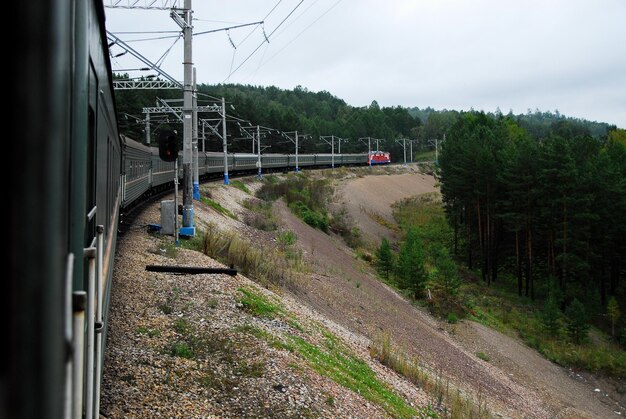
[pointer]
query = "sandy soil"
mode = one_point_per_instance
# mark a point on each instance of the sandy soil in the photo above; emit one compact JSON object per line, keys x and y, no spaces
{"x":371,"y":196}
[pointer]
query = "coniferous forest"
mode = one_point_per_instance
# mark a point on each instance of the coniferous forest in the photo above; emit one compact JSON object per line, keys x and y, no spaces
{"x":549,"y":210}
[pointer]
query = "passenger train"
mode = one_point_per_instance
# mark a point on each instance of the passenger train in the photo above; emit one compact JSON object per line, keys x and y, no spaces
{"x":71,"y":174}
{"x":144,"y":172}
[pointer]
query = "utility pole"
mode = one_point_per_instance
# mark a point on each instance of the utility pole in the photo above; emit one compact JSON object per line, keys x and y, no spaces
{"x":148,"y":129}
{"x":194,"y":140}
{"x":258,"y":157}
{"x":339,"y":141}
{"x":224,"y":142}
{"x":369,"y":149}
{"x":332,"y":146}
{"x":295,"y":141}
{"x":188,"y":228}
{"x":437,"y":147}
{"x":403,"y":147}
{"x":411,"y":144}
{"x":203,"y":137}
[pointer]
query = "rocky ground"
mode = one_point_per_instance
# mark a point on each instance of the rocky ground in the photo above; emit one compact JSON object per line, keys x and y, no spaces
{"x":192,"y":346}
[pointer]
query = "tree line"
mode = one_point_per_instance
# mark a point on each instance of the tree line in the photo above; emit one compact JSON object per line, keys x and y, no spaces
{"x":315,"y":114}
{"x":547,"y":209}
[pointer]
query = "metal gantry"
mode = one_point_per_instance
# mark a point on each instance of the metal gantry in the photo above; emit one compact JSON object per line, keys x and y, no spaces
{"x":403,"y":146}
{"x":332,"y":145}
{"x":150,"y":65}
{"x":369,"y":148}
{"x":294,"y":140}
{"x":145,"y":84}
{"x":142,"y":4}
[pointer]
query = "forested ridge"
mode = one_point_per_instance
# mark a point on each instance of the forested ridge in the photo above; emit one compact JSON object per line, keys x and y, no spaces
{"x":548,"y":211}
{"x":321,"y":113}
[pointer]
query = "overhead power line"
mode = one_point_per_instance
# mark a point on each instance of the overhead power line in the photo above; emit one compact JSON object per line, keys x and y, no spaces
{"x":265,"y":40}
{"x":301,"y":32}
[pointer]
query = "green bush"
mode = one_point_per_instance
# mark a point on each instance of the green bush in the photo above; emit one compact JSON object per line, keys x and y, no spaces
{"x":312,"y":218}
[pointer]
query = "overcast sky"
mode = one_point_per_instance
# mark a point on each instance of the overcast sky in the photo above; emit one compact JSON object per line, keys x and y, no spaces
{"x":568,"y":55}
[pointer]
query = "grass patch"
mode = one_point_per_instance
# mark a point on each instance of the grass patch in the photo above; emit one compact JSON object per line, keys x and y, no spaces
{"x":260,"y":216}
{"x":261,"y":334}
{"x":258,"y":304}
{"x":332,"y":359}
{"x":516,"y":316}
{"x":335,"y":362}
{"x":240,"y":185}
{"x":265,"y":264}
{"x":166,"y":308}
{"x":218,"y":207}
{"x":181,"y":350}
{"x":453,"y":403}
{"x":192,"y":243}
{"x":287,"y":238}
{"x":182,"y":327}
{"x":483,"y":356}
{"x":306,"y":196}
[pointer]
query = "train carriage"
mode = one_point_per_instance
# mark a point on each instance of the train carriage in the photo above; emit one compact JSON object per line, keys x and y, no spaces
{"x":137,"y":171}
{"x":274,"y":161}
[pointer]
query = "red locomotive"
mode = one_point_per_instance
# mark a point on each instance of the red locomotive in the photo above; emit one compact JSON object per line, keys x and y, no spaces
{"x":379,"y":157}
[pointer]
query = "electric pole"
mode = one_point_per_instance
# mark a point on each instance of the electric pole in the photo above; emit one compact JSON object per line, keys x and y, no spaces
{"x":194,"y":140}
{"x":369,"y":149}
{"x":188,"y":228}
{"x":332,"y":146}
{"x":403,"y":147}
{"x":258,"y":157}
{"x":295,"y":141}
{"x":148,"y":129}
{"x":224,"y":142}
{"x":339,"y":141}
{"x":203,"y":138}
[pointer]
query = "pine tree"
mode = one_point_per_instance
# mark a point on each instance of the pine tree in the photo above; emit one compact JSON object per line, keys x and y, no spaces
{"x":577,"y":326}
{"x":612,"y":310}
{"x":410,"y":267}
{"x":445,"y":276}
{"x":384,"y":259}
{"x":550,"y":316}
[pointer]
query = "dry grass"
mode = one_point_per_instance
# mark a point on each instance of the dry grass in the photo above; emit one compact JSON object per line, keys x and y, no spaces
{"x":266,"y":265}
{"x":451,"y":402}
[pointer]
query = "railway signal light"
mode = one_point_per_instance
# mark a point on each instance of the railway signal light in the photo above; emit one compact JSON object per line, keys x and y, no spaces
{"x":168,"y":146}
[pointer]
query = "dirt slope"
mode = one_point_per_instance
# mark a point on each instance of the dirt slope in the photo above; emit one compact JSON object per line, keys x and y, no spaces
{"x":371,"y":196}
{"x":518,"y":383}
